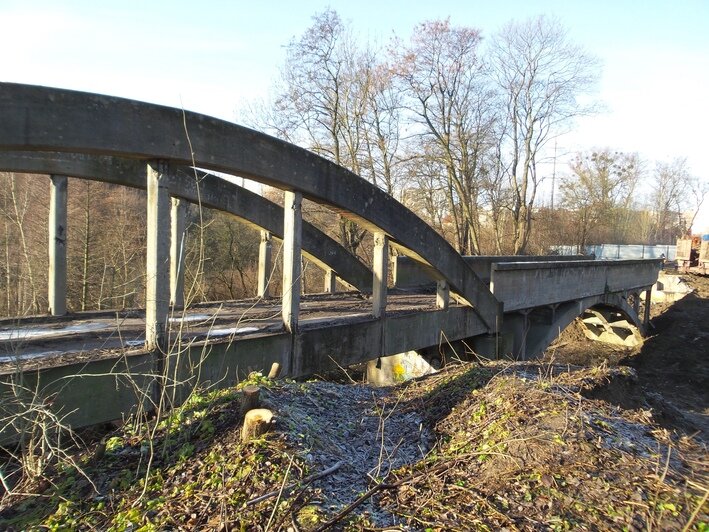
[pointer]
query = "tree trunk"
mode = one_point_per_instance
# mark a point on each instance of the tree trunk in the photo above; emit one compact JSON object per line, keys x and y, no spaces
{"x":257,"y":422}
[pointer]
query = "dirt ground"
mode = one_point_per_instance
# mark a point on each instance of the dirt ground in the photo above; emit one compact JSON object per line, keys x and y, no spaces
{"x":672,"y":365}
{"x":590,"y":438}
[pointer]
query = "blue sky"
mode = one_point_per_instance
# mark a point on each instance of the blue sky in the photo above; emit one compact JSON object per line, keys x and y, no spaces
{"x":215,"y":56}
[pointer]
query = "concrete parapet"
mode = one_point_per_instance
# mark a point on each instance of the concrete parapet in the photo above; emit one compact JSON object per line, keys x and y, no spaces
{"x":409,"y":274}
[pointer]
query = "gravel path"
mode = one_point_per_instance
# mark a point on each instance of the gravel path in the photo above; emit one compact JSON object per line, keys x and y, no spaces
{"x":363,"y":427}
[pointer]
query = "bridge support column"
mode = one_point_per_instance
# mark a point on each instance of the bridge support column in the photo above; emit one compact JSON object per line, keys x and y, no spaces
{"x":330,"y":281}
{"x":516,"y":326}
{"x":265,"y":250}
{"x":292,"y":240}
{"x":178,"y":213}
{"x":646,"y":313}
{"x":442,"y":294}
{"x":157,"y":282}
{"x":57,"y":245}
{"x":380,"y":274}
{"x":636,"y":303}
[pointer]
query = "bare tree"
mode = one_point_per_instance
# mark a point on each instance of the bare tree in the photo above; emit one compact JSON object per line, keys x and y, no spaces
{"x":599,"y":191}
{"x":443,"y":80}
{"x":670,"y":194}
{"x":336,"y":100}
{"x":539,"y":74}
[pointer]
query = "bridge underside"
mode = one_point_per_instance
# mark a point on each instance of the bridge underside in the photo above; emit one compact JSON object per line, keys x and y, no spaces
{"x":605,"y":317}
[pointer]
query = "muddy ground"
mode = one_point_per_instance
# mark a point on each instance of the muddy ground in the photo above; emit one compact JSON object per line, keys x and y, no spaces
{"x":591,"y":437}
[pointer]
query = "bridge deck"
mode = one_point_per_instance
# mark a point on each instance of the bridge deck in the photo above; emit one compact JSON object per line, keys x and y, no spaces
{"x":45,"y":341}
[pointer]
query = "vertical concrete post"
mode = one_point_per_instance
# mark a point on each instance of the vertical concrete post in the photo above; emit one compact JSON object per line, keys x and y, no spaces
{"x":636,"y":303}
{"x":330,"y":281}
{"x":57,"y":245}
{"x":178,"y":213}
{"x":380,"y":274}
{"x":442,"y":294}
{"x":157,"y":270}
{"x":265,"y":251}
{"x":292,"y":241}
{"x":646,"y":313}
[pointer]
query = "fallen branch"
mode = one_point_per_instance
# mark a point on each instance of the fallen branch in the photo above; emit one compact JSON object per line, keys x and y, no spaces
{"x":305,"y":482}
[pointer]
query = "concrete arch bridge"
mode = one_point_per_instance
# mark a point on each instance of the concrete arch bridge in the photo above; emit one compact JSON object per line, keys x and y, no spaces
{"x":100,"y":366}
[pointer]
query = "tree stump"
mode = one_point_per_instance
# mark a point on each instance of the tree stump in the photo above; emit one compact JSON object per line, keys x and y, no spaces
{"x":275,"y":371}
{"x":257,"y":422}
{"x":249,"y":398}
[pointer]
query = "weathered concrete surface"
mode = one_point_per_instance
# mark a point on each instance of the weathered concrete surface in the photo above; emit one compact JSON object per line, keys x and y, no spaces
{"x":178,"y":213}
{"x":409,"y":274}
{"x":534,"y":330}
{"x":607,"y":326}
{"x":534,"y":284}
{"x":44,"y":119}
{"x":395,"y":369}
{"x":380,"y":271}
{"x":292,"y":239}
{"x":265,"y":250}
{"x":157,"y":268}
{"x":203,"y":189}
{"x":112,"y":387}
{"x":669,"y":288}
{"x":57,"y":245}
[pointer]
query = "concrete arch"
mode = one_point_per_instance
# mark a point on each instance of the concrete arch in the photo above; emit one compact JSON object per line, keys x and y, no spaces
{"x":541,"y":336}
{"x":205,"y":188}
{"x":45,"y":119}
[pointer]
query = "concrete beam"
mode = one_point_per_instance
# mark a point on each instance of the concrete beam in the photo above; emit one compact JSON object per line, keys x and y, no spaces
{"x":57,"y":245}
{"x":411,"y":274}
{"x":91,"y":392}
{"x":265,"y":251}
{"x":535,"y":284}
{"x":157,"y":281}
{"x":292,"y":234}
{"x":44,"y":119}
{"x":204,"y":190}
{"x":380,"y":274}
{"x":178,"y":213}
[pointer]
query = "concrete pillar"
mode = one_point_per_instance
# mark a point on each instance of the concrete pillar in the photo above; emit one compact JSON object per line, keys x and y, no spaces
{"x":636,"y":303}
{"x":57,"y":245}
{"x":648,"y":299}
{"x":330,"y":281}
{"x":265,"y":251}
{"x":157,"y":272}
{"x":442,"y":294}
{"x":178,"y":213}
{"x":381,"y":274}
{"x":292,"y":241}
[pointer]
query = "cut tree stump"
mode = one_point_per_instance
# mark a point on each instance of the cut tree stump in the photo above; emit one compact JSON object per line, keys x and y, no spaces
{"x":249,"y":398}
{"x":275,"y":371}
{"x":256,"y":423}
